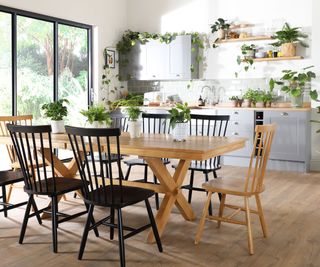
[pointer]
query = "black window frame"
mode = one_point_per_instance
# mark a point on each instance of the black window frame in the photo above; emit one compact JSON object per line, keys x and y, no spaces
{"x":56,"y":21}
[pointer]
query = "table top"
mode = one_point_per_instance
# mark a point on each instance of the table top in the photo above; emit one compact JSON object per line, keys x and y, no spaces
{"x":162,"y":146}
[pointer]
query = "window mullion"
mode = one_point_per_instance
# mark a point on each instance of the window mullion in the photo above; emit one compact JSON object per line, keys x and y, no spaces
{"x":14,"y":62}
{"x":55,"y":62}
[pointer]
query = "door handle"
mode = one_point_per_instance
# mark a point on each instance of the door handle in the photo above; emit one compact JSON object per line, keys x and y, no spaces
{"x":235,"y":133}
{"x":284,"y":114}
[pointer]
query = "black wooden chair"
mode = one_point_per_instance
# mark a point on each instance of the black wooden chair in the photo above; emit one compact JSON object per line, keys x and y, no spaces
{"x":206,"y":125}
{"x":9,"y":178}
{"x":151,"y":123}
{"x":103,"y":190}
{"x":28,"y":142}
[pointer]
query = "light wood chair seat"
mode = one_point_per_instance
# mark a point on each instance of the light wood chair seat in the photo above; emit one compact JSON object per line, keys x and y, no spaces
{"x":229,"y":186}
{"x":251,"y":186}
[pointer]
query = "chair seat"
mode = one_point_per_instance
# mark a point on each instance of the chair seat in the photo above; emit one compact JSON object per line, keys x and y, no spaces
{"x":131,"y":195}
{"x":10,"y":177}
{"x":63,"y":185}
{"x":141,"y":162}
{"x":232,"y":186}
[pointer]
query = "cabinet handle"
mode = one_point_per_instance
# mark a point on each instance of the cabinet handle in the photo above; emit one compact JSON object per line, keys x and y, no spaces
{"x":153,"y":76}
{"x":236,"y":112}
{"x":235,"y":133}
{"x":284,"y":114}
{"x":178,"y":75}
{"x":236,"y":123}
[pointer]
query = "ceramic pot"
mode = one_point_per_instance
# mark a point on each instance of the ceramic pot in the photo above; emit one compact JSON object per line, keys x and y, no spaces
{"x":249,"y":54}
{"x":288,"y":50}
{"x":57,"y":126}
{"x":221,"y":33}
{"x":97,"y":124}
{"x":180,"y":131}
{"x":234,"y":103}
{"x":297,"y":102}
{"x":134,"y":129}
{"x":246,"y":103}
{"x":260,"y":105}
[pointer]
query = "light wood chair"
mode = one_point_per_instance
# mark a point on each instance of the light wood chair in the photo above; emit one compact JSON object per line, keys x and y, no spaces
{"x":249,"y":187}
{"x":19,"y":120}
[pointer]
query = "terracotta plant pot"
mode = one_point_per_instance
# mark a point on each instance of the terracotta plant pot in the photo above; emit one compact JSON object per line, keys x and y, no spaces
{"x":260,"y":105}
{"x":234,"y":103}
{"x":288,"y":50}
{"x":246,"y":103}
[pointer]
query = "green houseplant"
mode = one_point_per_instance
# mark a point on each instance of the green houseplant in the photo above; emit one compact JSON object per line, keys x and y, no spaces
{"x":294,"y":83}
{"x":220,"y":26}
{"x":134,"y":125}
{"x":179,"y":121}
{"x":56,"y":111}
{"x":287,"y":38}
{"x":248,"y":98}
{"x":97,"y":116}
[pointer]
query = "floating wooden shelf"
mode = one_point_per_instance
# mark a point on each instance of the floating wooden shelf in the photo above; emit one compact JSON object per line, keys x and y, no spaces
{"x":277,"y":58}
{"x":252,"y":38}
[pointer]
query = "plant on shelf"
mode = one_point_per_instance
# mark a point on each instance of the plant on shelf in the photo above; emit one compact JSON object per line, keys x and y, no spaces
{"x":97,"y":116}
{"x":259,"y":98}
{"x":179,"y":121}
{"x":294,"y":84}
{"x":287,"y":38}
{"x":246,"y":57}
{"x":134,"y":125}
{"x":248,"y":98}
{"x":236,"y":101}
{"x":220,"y":26}
{"x":56,"y":111}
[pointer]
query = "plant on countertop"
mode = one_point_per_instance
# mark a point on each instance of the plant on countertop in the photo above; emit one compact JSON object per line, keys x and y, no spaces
{"x":129,"y":100}
{"x":179,"y":114}
{"x":293,"y":83}
{"x":133,"y":112}
{"x":55,"y":110}
{"x":249,"y":95}
{"x":97,"y":113}
{"x":237,"y":101}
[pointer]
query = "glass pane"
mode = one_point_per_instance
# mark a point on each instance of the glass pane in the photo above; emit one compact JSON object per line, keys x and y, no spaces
{"x":73,"y":70}
{"x":5,"y":64}
{"x":35,"y":66}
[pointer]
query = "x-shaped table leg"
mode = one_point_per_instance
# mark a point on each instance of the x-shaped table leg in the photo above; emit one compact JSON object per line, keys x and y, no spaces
{"x":173,"y":195}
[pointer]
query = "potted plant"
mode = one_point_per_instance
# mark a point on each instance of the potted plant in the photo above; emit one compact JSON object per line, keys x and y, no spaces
{"x":259,"y":99}
{"x":179,"y":121}
{"x":234,"y":100}
{"x":294,"y":83}
{"x":134,"y":125}
{"x":56,"y":111}
{"x":288,"y":38}
{"x":248,"y":98}
{"x":97,"y":116}
{"x":248,"y":51}
{"x":268,"y":99}
{"x":220,"y":26}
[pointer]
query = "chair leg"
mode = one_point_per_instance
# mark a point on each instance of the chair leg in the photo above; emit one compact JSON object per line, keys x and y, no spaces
{"x":203,"y":219}
{"x":190,"y":186}
{"x":221,"y":207}
{"x":128,"y":173}
{"x":85,"y":232}
{"x":9,"y":193}
{"x":207,"y":180}
{"x":154,"y":226}
{"x":54,"y":218}
{"x":121,"y":240}
{"x":93,"y":222}
{"x":36,"y":211}
{"x":215,"y":174}
{"x":156,"y":195}
{"x":261,"y":216}
{"x":248,"y":220}
{"x":4,"y":198}
{"x":25,"y":220}
{"x":112,"y":221}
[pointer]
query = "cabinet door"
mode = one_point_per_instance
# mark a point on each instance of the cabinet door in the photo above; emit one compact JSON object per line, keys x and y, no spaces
{"x":290,"y":139}
{"x":157,"y":60}
{"x":180,"y":58}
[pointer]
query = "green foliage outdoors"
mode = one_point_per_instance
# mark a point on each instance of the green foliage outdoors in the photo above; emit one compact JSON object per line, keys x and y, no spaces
{"x":290,"y":35}
{"x":97,"y":113}
{"x":293,"y":82}
{"x":179,"y":114}
{"x":56,"y":110}
{"x":133,"y":112}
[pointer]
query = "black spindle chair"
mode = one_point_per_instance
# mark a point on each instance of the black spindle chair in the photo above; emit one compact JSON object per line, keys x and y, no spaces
{"x":151,"y":124}
{"x":206,"y":125}
{"x":106,"y":190}
{"x":32,"y":144}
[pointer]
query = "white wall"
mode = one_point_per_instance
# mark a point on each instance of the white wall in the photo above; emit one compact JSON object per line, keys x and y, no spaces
{"x":107,"y":16}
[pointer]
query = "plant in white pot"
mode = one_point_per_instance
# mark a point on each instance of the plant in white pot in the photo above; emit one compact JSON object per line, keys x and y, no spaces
{"x":294,"y":84}
{"x":134,"y":124}
{"x":97,"y":116}
{"x":220,"y":26}
{"x":287,"y":38}
{"x":179,"y":121}
{"x":56,"y":111}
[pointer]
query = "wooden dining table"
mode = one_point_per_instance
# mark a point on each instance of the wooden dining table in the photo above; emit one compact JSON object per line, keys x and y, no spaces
{"x":152,"y":148}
